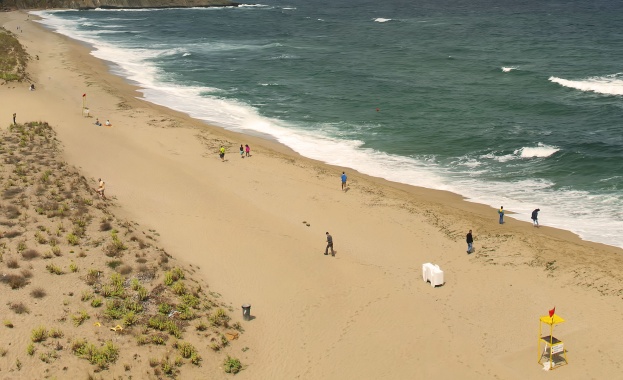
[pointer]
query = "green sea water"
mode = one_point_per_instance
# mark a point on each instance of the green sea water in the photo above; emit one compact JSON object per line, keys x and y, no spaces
{"x":514,"y":103}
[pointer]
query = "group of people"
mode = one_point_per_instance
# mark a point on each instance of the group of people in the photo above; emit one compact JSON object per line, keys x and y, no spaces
{"x":98,"y":123}
{"x":245,"y":151}
{"x":470,"y":239}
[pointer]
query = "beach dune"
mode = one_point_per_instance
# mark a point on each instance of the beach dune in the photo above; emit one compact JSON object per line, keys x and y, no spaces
{"x":256,"y":229}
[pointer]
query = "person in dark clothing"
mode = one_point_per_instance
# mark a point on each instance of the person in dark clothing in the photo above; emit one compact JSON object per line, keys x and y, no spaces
{"x":501,"y":212}
{"x":470,"y":240}
{"x":535,"y":217}
{"x":329,"y":245}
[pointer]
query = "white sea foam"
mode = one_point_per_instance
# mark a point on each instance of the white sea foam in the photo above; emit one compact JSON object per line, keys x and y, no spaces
{"x":186,"y":54}
{"x":380,"y":19}
{"x":508,"y":69}
{"x":541,"y":150}
{"x":252,"y":6}
{"x":608,"y":85}
{"x":593,"y":217}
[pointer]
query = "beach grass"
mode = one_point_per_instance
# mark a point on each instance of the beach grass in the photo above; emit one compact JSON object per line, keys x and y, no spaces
{"x":154,"y":300}
{"x":13,"y":58}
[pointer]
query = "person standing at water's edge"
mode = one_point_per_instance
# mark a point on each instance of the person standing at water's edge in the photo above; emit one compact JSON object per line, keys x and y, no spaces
{"x":343,"y":180}
{"x":329,"y":245}
{"x":221,"y":153}
{"x":470,"y":241}
{"x":501,"y":212}
{"x":535,"y":217}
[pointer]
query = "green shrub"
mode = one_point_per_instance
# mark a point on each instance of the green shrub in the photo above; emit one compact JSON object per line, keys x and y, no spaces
{"x":195,"y":358}
{"x":191,"y":301}
{"x":167,"y":367}
{"x":80,"y":318}
{"x":164,"y":308}
{"x":130,"y":318}
{"x":72,"y":239}
{"x":179,"y":288}
{"x":142,"y":340}
{"x":54,"y":269}
{"x":56,"y":333}
{"x":101,"y":357}
{"x":86,"y":295}
{"x":186,"y":349}
{"x":168,"y":279}
{"x":158,"y":339}
{"x":232,"y":365}
{"x":39,"y":334}
{"x":114,"y":309}
{"x":142,"y":293}
{"x":96,"y":302}
{"x":219,"y":317}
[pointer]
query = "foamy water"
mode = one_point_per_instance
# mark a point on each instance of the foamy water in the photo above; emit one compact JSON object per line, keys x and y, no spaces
{"x":608,"y":85}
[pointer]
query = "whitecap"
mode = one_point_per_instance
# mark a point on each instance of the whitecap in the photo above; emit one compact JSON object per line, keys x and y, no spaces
{"x":508,"y":69}
{"x":541,"y":150}
{"x":608,"y":84}
{"x":252,"y":6}
{"x":186,"y":54}
{"x":380,"y":19}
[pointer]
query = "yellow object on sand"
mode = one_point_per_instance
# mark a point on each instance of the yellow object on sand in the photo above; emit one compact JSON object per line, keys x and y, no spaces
{"x":554,"y":353}
{"x":97,"y":324}
{"x":117,"y":328}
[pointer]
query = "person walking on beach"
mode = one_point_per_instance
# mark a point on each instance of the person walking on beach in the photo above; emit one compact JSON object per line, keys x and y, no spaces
{"x":329,"y":245}
{"x":241,"y":151}
{"x":14,"y":116}
{"x":222,"y":153}
{"x":247,"y":150}
{"x":535,"y":217}
{"x":101,"y":188}
{"x":470,"y":241}
{"x":501,"y":212}
{"x":343,"y":180}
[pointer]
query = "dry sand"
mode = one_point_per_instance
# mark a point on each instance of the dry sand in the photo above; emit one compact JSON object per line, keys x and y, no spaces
{"x":365,"y":313}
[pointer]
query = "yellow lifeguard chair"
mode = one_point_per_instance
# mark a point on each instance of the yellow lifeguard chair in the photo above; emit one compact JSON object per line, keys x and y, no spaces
{"x":553,"y":354}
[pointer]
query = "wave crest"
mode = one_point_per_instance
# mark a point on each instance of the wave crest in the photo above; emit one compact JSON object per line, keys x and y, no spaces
{"x":541,"y":150}
{"x":608,"y":85}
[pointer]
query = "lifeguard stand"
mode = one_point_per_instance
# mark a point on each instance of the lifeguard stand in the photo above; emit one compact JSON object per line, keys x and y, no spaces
{"x":553,"y":351}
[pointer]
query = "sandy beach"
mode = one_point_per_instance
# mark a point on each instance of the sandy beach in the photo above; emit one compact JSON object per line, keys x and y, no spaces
{"x":255,"y":228}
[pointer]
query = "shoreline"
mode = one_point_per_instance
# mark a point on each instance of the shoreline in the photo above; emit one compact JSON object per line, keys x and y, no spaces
{"x":274,"y":144}
{"x":556,"y":216}
{"x":320,"y":319}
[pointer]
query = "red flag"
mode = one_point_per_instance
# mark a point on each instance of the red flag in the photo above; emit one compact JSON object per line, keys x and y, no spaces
{"x":551,"y":312}
{"x":83,"y":95}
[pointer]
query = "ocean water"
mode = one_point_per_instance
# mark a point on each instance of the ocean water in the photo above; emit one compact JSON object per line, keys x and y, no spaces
{"x":513,"y":103}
